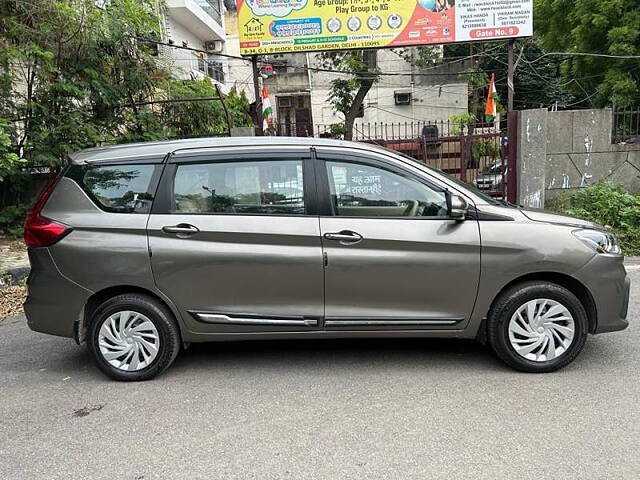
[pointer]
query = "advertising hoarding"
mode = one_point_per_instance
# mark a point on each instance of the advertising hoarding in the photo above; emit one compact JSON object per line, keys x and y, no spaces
{"x":285,"y":26}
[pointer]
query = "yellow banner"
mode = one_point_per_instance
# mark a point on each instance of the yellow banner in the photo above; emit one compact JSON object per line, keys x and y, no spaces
{"x":283,"y":26}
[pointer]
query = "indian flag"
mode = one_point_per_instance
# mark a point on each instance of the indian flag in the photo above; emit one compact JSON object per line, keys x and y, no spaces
{"x":267,"y":109}
{"x":491,"y":112}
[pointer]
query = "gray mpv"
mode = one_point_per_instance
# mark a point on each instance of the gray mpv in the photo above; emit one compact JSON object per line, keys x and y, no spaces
{"x":139,"y":250}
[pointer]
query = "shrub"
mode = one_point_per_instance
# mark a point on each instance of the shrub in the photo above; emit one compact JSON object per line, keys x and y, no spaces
{"x":12,"y":219}
{"x":607,"y":204}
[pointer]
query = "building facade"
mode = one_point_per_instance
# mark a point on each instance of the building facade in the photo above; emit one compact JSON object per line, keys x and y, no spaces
{"x":299,"y":90}
{"x":198,"y":25}
{"x":403,"y":94}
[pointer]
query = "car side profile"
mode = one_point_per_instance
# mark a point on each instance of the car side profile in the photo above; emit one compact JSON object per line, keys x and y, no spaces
{"x":140,"y":250}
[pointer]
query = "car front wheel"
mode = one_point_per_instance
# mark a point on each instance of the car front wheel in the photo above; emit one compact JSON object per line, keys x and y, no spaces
{"x":537,"y":327}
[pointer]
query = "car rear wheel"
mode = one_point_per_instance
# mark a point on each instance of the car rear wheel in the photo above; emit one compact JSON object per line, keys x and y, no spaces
{"x":537,"y":327}
{"x":133,"y":337}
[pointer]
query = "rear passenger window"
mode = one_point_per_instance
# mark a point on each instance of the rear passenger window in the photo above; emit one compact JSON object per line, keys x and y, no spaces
{"x":272,"y":187}
{"x":120,"y":189}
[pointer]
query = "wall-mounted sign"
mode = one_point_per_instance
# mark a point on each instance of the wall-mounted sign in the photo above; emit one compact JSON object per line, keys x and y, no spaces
{"x":282,"y":26}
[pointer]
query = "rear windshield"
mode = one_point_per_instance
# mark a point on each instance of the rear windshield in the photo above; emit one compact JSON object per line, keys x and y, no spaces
{"x":118,"y":188}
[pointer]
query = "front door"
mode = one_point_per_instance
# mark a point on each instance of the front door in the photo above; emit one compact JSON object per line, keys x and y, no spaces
{"x":394,"y":259}
{"x":233,"y":243}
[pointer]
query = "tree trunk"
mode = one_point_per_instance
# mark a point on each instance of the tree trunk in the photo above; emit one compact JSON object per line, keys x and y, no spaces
{"x":352,"y":114}
{"x":367,"y":80}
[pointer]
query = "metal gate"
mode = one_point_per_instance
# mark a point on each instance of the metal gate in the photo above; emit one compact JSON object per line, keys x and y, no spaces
{"x":478,"y":157}
{"x":474,"y":153}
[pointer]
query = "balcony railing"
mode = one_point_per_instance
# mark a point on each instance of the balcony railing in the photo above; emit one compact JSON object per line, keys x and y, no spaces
{"x":212,"y":7}
{"x":211,"y":68}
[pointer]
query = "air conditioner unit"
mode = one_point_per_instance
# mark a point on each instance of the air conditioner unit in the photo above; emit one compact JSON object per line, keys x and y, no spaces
{"x":402,"y":98}
{"x":213,"y":46}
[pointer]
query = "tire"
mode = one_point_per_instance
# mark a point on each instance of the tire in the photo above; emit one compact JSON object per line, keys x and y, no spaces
{"x":134,"y":327}
{"x":504,"y":336}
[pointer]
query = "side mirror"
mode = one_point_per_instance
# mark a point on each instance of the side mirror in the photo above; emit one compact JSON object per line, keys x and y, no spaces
{"x":458,"y":207}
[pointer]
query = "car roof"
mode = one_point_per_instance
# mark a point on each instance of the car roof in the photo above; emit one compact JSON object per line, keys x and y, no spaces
{"x":158,"y":150}
{"x":155,"y":152}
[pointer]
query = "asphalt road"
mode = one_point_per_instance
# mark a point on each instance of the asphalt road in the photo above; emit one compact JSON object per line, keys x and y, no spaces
{"x":334,"y":409}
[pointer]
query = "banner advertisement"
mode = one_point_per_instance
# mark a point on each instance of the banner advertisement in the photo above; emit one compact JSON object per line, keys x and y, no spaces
{"x":284,"y":26}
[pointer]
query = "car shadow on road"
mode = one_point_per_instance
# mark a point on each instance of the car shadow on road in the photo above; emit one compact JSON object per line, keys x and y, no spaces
{"x":62,"y":357}
{"x":357,"y":354}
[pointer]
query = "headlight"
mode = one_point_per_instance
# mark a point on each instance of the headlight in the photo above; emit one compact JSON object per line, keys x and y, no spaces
{"x":601,"y":242}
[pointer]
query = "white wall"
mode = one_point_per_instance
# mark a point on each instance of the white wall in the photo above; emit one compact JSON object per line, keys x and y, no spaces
{"x":430,"y":103}
{"x":185,"y":62}
{"x":240,"y":73}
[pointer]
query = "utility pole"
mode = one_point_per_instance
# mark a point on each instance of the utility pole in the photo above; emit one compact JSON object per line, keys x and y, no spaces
{"x":256,"y":89}
{"x":511,"y":68}
{"x":512,"y":133}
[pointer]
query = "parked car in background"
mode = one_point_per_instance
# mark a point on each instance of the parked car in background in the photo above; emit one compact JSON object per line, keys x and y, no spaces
{"x":140,"y":250}
{"x":492,"y":179}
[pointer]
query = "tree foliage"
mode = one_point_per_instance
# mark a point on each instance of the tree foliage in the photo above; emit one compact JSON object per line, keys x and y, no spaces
{"x":73,"y":76}
{"x":202,"y":118}
{"x":347,"y":94}
{"x":594,"y":26}
{"x":76,"y":72}
{"x":537,"y":81}
{"x":10,"y":163}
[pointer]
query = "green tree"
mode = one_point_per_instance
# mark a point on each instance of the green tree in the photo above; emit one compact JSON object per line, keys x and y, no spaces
{"x":73,"y":74}
{"x":595,"y":26}
{"x":347,"y":94}
{"x":10,"y":163}
{"x":538,"y":82}
{"x":201,"y":118}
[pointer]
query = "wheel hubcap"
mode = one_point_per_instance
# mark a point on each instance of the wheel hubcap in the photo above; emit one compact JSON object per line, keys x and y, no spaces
{"x":541,"y":330}
{"x":129,"y":341}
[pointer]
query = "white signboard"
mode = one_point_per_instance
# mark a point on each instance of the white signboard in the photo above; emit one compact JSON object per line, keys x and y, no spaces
{"x":490,"y":19}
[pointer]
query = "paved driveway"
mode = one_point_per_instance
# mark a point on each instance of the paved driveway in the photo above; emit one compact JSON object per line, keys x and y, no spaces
{"x":334,"y":409}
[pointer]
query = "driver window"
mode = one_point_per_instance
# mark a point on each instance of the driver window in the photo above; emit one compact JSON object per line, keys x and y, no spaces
{"x":359,"y":190}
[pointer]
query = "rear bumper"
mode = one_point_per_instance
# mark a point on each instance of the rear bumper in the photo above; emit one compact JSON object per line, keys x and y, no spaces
{"x":54,"y":303}
{"x":607,"y":280}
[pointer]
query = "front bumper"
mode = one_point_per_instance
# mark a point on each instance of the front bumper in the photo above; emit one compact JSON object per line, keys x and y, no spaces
{"x":54,"y":303}
{"x":606,"y":278}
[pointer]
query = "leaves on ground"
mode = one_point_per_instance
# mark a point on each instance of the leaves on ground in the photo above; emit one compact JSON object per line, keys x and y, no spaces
{"x":11,"y":299}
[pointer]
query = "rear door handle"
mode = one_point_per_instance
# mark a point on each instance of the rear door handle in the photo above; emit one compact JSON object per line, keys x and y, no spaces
{"x":182,"y":230}
{"x":345,"y":237}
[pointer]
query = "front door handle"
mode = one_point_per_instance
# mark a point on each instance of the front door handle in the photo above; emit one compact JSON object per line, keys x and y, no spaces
{"x":345,"y":237}
{"x":182,"y":230}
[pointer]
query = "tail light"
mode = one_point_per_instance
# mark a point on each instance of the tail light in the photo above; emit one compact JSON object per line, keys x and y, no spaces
{"x":38,"y":230}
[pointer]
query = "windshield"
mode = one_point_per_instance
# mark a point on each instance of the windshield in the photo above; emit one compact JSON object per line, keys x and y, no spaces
{"x":457,"y":181}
